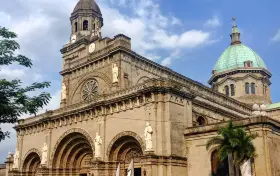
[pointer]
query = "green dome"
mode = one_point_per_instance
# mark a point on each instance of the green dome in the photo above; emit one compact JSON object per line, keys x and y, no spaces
{"x":235,"y":56}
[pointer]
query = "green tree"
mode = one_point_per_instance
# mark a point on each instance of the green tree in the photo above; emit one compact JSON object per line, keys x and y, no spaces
{"x":14,"y":98}
{"x":235,"y":144}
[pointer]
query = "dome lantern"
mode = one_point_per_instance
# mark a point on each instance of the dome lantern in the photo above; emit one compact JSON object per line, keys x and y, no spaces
{"x":235,"y":34}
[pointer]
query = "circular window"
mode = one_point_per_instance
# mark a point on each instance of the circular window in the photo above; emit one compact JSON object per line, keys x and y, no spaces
{"x":90,"y":90}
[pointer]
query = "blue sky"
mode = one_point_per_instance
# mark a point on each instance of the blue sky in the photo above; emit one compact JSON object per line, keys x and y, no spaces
{"x":186,"y":35}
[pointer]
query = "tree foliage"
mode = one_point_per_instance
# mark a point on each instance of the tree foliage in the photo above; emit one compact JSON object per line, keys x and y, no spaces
{"x":14,"y":98}
{"x":233,"y":140}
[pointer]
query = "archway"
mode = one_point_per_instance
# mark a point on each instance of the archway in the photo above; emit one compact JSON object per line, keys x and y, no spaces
{"x":142,"y":79}
{"x":31,"y":164}
{"x":124,"y":149}
{"x":219,"y":168}
{"x":73,"y":154}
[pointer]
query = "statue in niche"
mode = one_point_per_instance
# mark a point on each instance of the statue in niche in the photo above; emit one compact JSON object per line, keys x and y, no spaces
{"x":63,"y":91}
{"x":97,"y":31}
{"x":44,"y":154}
{"x":16,"y":159}
{"x":148,"y":137}
{"x":98,"y":145}
{"x":115,"y":70}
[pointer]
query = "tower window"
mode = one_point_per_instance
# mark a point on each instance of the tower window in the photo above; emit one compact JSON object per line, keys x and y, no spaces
{"x":76,"y":27}
{"x":247,"y":91}
{"x":227,"y":90}
{"x":85,"y":25}
{"x":248,"y":64}
{"x":253,"y":88}
{"x":232,"y":90}
{"x":94,"y":26}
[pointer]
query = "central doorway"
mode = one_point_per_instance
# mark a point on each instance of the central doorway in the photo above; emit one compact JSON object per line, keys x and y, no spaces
{"x":137,"y":171}
{"x":83,"y":174}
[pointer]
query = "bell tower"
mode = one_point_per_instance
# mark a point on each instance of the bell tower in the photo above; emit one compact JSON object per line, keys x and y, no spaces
{"x":86,"y":21}
{"x":91,"y":63}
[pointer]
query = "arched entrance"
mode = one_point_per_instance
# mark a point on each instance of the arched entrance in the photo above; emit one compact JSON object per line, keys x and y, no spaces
{"x":31,"y":164}
{"x":219,"y":168}
{"x":123,"y":150}
{"x":73,"y":154}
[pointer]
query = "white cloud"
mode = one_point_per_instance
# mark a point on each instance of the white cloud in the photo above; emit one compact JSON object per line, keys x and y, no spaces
{"x":189,"y":39}
{"x":149,"y":29}
{"x":11,"y":73}
{"x":213,"y":22}
{"x":176,"y":21}
{"x":168,"y":60}
{"x":276,"y":37}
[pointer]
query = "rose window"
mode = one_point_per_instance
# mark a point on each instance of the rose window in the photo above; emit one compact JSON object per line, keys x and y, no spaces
{"x":90,"y":90}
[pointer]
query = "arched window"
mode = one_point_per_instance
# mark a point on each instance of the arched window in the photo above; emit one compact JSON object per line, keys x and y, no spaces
{"x":94,"y":26}
{"x":227,"y":90}
{"x":253,"y":88}
{"x":232,"y":90}
{"x":201,"y":121}
{"x":76,"y":27}
{"x":219,"y":168}
{"x":85,"y":25}
{"x":247,"y":89}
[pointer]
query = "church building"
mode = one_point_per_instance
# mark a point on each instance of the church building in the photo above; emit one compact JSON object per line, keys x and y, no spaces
{"x":118,"y":106}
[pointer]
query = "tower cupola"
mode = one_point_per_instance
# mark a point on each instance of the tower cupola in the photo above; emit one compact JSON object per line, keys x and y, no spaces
{"x":86,"y":20}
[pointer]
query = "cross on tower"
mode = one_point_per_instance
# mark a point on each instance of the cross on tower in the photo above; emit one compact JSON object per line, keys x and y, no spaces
{"x":234,"y":21}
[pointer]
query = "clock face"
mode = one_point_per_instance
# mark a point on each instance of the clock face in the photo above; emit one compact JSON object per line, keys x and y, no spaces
{"x":73,"y":38}
{"x":91,"y":48}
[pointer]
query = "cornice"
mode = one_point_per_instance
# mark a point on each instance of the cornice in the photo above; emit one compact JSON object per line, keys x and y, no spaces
{"x":199,"y":103}
{"x":241,"y":78}
{"x":85,"y":12}
{"x":238,"y":70}
{"x":154,"y":86}
{"x":74,"y":45}
{"x":247,"y":123}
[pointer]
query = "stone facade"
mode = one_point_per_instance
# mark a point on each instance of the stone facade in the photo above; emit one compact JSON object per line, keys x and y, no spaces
{"x":111,"y":90}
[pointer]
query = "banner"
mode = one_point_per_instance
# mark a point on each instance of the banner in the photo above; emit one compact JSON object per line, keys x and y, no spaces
{"x":130,"y":170}
{"x":118,"y":170}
